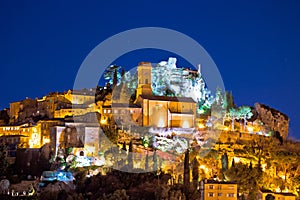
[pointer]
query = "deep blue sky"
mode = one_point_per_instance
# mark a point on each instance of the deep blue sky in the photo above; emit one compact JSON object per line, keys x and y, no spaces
{"x":255,"y":45}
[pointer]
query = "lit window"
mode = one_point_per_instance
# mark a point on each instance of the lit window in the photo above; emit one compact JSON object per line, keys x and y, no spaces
{"x":210,"y":194}
{"x":230,"y":195}
{"x":108,"y":111}
{"x":104,"y":111}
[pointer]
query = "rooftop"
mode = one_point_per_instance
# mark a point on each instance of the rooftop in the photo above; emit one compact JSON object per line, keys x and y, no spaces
{"x":166,"y":98}
{"x":219,"y":182}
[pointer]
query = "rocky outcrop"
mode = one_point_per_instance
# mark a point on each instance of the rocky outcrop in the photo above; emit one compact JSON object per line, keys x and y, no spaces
{"x":273,"y":119}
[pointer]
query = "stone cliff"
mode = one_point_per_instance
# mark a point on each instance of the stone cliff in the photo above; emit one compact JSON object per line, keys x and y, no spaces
{"x":274,"y":119}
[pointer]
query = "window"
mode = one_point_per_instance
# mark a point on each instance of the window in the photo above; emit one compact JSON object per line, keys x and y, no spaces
{"x":211,"y":187}
{"x":210,"y":194}
{"x":219,"y":194}
{"x":146,"y":81}
{"x":104,"y":111}
{"x":81,"y":153}
{"x":230,"y":195}
{"x":219,"y":187}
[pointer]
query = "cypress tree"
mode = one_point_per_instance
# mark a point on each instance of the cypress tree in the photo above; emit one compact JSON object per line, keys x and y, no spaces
{"x":232,"y":163}
{"x":130,"y":159}
{"x":3,"y":159}
{"x":124,"y":146}
{"x":186,"y":178}
{"x":250,"y":166}
{"x":195,"y":171}
{"x":115,"y":79}
{"x":224,"y":159}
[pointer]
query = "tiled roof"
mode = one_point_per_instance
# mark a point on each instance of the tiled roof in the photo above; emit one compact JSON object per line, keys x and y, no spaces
{"x":166,"y":98}
{"x":218,"y":182}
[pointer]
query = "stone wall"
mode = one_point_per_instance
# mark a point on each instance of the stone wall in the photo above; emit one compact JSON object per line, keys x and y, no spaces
{"x":274,"y":119}
{"x":233,"y":137}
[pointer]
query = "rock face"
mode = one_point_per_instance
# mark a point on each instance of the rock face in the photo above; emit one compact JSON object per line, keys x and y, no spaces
{"x":274,"y":119}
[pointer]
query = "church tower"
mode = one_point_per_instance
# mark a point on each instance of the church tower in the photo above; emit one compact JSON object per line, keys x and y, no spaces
{"x":144,"y":79}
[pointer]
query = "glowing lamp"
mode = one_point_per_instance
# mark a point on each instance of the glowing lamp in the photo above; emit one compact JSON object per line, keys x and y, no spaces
{"x":201,"y":126}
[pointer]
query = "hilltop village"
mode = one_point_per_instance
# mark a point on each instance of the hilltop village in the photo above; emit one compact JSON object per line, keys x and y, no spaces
{"x":160,"y":120}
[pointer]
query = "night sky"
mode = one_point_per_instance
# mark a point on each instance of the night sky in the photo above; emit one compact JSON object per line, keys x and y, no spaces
{"x":255,"y":45}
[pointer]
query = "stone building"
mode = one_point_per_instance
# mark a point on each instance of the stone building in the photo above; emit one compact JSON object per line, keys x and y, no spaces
{"x":80,"y":96}
{"x":50,"y":103}
{"x":211,"y":189}
{"x":162,"y":111}
{"x":83,"y":138}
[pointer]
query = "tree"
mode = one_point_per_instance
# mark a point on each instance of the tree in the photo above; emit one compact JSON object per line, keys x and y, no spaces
{"x":224,"y":159}
{"x":195,"y":171}
{"x":228,"y":101}
{"x":232,"y":163}
{"x":244,"y":176}
{"x":115,"y":79}
{"x":245,"y":113}
{"x":124,"y":147}
{"x":186,"y":174}
{"x":3,"y":160}
{"x":123,"y":73}
{"x":250,"y":166}
{"x":130,"y":156}
{"x":218,"y":108}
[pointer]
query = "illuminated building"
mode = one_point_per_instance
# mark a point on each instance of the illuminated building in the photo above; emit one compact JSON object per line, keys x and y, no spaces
{"x":80,"y":96}
{"x":30,"y":135}
{"x":47,"y":105}
{"x":72,"y":111}
{"x":212,"y":189}
{"x":45,"y":126}
{"x":14,"y":110}
{"x":276,"y":195}
{"x":126,"y":114}
{"x":83,"y":138}
{"x":163,"y":112}
{"x":144,"y":79}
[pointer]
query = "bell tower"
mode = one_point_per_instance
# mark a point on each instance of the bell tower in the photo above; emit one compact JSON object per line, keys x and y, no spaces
{"x":144,"y":79}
